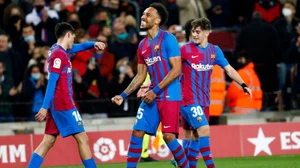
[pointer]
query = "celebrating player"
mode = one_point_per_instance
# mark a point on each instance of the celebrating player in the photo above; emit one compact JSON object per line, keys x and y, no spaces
{"x":198,"y":59}
{"x":159,"y":54}
{"x":63,"y":116}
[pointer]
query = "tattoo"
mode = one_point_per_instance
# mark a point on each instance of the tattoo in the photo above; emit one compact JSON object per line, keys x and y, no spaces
{"x":135,"y":84}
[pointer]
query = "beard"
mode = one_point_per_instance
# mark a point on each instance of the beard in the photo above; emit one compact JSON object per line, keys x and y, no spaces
{"x":147,"y":26}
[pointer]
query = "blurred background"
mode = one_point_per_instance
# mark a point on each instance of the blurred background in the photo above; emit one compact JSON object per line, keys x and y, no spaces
{"x":260,"y":38}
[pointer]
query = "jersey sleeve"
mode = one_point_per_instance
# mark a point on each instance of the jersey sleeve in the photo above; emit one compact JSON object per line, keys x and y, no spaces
{"x":172,"y":46}
{"x":140,"y":58}
{"x":182,"y":53}
{"x":57,"y":62}
{"x":220,"y":58}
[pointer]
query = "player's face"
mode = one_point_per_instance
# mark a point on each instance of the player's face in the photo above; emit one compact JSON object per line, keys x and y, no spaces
{"x":199,"y":35}
{"x":70,"y":37}
{"x":149,"y":18}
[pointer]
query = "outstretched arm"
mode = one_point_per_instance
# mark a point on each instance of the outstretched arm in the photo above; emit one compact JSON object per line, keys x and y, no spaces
{"x":86,"y":46}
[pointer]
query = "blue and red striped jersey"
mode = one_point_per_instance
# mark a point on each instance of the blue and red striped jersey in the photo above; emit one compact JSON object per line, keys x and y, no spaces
{"x":197,"y":65}
{"x":59,"y":62}
{"x":155,"y":53}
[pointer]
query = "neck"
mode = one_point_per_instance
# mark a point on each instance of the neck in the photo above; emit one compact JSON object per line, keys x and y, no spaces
{"x":152,"y":32}
{"x":289,"y":19}
{"x":203,"y":44}
{"x":62,"y":43}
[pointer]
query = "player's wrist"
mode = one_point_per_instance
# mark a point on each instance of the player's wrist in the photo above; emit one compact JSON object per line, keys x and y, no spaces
{"x":156,"y":90}
{"x":123,"y":95}
{"x":244,"y":85}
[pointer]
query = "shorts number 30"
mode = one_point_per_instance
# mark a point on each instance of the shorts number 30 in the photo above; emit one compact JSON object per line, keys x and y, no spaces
{"x":197,"y":111}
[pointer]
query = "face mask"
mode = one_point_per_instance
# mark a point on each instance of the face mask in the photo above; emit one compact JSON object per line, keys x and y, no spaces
{"x":102,"y":23}
{"x":39,"y":8}
{"x":10,"y":45}
{"x":181,"y":44}
{"x":36,"y":76}
{"x":122,"y":69}
{"x":122,"y":36}
{"x":57,"y":7}
{"x":286,"y":12}
{"x":74,"y":24}
{"x":15,"y":18}
{"x":29,"y":38}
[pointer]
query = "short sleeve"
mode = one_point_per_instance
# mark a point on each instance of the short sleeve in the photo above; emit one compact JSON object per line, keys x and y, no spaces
{"x":140,"y":58}
{"x":182,"y":52}
{"x":220,"y":58}
{"x":57,"y":62}
{"x":172,"y":46}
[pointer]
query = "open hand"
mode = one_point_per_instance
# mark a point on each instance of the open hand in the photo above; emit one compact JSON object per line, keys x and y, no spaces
{"x":149,"y":97}
{"x":40,"y":116}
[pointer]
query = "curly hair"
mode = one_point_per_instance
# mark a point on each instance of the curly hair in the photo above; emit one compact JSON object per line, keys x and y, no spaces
{"x":162,"y":12}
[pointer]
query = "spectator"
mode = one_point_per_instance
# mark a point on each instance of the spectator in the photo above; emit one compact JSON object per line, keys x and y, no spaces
{"x":236,"y":99}
{"x":270,"y":9}
{"x":122,"y":41}
{"x":123,"y":76}
{"x":12,"y":60}
{"x":6,"y":85}
{"x":241,"y":12}
{"x":43,"y":20}
{"x":13,"y":17}
{"x":192,"y":9}
{"x":100,"y":20}
{"x":105,"y":59}
{"x":261,"y":42}
{"x":3,"y":5}
{"x":33,"y":91}
{"x":87,"y":12}
{"x":286,"y":28}
{"x":73,"y":19}
{"x":27,"y":43}
{"x":219,"y":13}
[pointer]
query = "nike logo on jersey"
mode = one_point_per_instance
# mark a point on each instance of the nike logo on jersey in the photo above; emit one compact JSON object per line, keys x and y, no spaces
{"x":167,"y":126}
{"x":143,"y":52}
{"x":195,"y":56}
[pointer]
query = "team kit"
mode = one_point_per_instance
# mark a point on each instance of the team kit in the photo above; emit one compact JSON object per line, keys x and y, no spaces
{"x":179,"y":83}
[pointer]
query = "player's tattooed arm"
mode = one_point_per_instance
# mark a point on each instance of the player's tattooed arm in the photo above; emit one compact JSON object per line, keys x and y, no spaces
{"x":137,"y":80}
{"x":173,"y":74}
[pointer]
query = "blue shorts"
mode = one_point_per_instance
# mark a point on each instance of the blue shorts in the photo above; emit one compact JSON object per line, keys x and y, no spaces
{"x":150,"y":115}
{"x":194,"y":115}
{"x":66,"y":123}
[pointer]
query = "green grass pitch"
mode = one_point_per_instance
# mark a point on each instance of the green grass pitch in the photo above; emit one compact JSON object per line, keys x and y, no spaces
{"x":284,"y":161}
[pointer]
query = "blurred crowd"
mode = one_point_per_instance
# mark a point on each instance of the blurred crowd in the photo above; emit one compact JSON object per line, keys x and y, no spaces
{"x":268,"y":32}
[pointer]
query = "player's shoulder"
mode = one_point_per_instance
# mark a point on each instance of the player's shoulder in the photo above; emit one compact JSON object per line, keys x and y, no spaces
{"x":187,"y":47}
{"x":57,"y":51}
{"x":167,"y":35}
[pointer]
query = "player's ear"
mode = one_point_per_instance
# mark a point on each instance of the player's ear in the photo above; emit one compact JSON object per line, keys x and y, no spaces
{"x":157,"y":20}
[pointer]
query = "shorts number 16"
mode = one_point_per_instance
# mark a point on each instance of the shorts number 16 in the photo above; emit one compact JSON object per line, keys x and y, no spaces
{"x":76,"y":115}
{"x":197,"y":111}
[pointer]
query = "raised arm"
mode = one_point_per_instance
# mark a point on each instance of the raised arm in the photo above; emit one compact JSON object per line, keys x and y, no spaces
{"x":86,"y":46}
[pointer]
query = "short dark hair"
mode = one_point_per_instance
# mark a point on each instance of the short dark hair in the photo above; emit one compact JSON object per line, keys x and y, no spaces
{"x":188,"y":28}
{"x":61,"y":29}
{"x":7,"y":35}
{"x":162,"y":12}
{"x":203,"y":22}
{"x":25,"y":25}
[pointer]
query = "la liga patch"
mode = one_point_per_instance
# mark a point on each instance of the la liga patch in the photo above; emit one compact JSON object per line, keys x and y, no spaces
{"x":57,"y":63}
